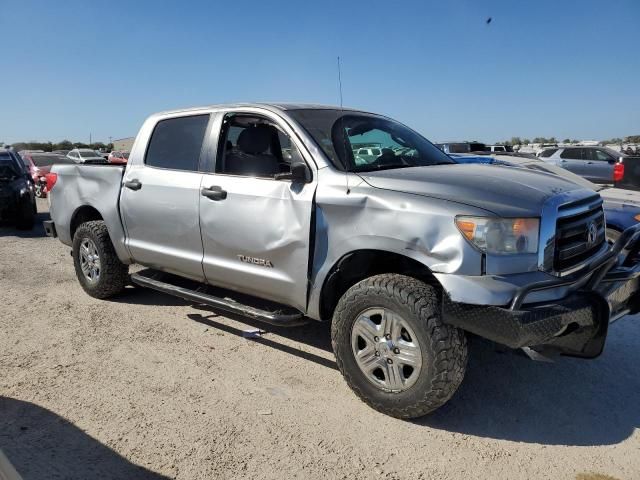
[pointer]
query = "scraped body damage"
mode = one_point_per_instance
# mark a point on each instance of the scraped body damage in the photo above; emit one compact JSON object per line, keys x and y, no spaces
{"x":96,"y":186}
{"x":369,"y":218}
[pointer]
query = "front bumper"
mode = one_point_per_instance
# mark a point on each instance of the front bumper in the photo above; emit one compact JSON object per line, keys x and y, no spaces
{"x":576,"y":324}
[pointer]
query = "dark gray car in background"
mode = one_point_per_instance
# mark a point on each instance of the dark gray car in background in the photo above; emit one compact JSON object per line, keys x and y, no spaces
{"x":597,"y":164}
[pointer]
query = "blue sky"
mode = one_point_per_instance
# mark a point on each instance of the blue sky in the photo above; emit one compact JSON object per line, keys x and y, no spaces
{"x":541,"y":68}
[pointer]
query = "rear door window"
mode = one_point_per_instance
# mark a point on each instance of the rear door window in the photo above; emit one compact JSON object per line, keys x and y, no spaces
{"x":572,"y":154}
{"x":176,"y":143}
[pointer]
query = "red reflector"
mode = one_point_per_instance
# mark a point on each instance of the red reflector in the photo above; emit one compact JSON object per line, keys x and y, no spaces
{"x":618,"y":172}
{"x":52,"y":178}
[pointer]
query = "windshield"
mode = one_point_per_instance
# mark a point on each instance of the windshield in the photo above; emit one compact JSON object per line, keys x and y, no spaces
{"x":459,"y":148}
{"x":8,"y":168}
{"x":89,"y":154}
{"x":360,"y":142}
{"x":46,"y":160}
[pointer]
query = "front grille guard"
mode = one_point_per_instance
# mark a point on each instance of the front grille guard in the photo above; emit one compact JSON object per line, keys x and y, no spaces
{"x":610,"y":266}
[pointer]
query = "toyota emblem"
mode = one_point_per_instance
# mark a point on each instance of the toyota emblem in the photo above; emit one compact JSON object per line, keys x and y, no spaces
{"x":592,"y":233}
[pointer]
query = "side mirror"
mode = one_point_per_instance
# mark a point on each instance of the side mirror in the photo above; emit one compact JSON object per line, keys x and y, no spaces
{"x":299,"y":173}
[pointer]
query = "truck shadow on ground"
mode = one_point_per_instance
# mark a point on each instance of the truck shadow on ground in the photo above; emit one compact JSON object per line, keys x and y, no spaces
{"x":508,"y":396}
{"x":569,"y":402}
{"x":314,"y":334}
{"x":9,"y":230}
{"x":504,"y":395}
{"x":41,"y":444}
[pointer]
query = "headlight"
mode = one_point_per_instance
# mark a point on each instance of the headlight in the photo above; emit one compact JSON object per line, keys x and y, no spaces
{"x":24,"y":191}
{"x":501,"y":235}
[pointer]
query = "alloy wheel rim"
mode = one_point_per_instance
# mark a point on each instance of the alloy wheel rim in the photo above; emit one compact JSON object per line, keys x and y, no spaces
{"x":90,"y":260}
{"x":386,"y":349}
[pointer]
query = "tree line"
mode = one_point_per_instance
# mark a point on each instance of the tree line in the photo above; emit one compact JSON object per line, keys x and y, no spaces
{"x":525,"y":141}
{"x":63,"y":145}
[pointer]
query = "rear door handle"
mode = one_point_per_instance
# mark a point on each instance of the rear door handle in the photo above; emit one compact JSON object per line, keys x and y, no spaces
{"x":214,"y":193}
{"x":133,"y":184}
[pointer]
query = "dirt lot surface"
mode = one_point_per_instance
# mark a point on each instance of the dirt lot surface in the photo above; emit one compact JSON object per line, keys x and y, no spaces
{"x":147,"y":386}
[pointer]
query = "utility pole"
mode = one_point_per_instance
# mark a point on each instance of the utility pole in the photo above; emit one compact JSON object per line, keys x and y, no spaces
{"x":89,"y":138}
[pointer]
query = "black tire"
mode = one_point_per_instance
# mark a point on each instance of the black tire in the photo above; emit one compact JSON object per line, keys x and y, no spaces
{"x":26,"y":217}
{"x":114,"y":274}
{"x":443,"y":347}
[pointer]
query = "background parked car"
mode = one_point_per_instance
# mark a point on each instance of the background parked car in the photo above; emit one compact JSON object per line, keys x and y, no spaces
{"x":38,"y":165}
{"x":85,"y":155}
{"x":622,"y":207}
{"x":598,"y":164}
{"x":17,"y":198}
{"x":118,"y":157}
{"x":499,"y":148}
{"x":461,"y":147}
{"x":61,"y":152}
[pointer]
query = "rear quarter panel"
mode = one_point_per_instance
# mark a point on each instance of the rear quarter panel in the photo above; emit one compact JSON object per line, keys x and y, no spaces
{"x":96,"y":186}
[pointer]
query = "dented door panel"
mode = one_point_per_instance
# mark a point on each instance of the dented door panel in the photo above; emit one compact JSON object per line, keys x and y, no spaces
{"x":256,"y":240}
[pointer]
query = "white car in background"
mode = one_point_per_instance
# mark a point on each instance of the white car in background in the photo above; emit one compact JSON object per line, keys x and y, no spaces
{"x":85,"y":155}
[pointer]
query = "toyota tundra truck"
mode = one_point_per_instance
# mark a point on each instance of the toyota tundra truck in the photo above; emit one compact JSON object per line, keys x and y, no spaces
{"x":264,"y":210}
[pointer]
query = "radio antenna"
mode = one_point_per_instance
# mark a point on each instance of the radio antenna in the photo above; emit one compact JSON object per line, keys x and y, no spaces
{"x":344,"y":133}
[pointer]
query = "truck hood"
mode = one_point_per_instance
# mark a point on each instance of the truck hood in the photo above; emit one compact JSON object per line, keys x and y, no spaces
{"x":503,"y":191}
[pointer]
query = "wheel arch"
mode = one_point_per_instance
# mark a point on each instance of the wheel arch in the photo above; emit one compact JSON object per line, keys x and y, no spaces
{"x":357,"y":265}
{"x":82,"y":214}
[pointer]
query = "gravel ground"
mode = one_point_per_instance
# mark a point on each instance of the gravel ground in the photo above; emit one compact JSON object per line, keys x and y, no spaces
{"x":147,"y":386}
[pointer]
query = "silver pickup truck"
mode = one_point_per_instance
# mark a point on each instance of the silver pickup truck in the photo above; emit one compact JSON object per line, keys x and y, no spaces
{"x":265,"y":210}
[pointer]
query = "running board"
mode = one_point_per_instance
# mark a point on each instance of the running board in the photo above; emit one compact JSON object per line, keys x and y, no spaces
{"x":278,"y":317}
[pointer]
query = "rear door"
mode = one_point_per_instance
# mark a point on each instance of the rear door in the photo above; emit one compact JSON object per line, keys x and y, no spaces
{"x":573,"y":160}
{"x":256,"y":229}
{"x":160,"y":197}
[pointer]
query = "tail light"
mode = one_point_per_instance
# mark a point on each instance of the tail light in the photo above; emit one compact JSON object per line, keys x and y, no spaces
{"x":618,"y":172}
{"x":52,"y":178}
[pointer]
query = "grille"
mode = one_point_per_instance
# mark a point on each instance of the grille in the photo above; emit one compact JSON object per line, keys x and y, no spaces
{"x":580,"y":233}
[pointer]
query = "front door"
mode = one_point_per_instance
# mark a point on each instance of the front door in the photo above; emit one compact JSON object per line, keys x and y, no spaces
{"x":160,"y":198}
{"x":600,"y":166}
{"x":256,"y":229}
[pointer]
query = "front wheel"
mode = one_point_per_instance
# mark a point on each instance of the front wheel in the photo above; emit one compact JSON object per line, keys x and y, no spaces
{"x":98,"y":268}
{"x":393,"y":349}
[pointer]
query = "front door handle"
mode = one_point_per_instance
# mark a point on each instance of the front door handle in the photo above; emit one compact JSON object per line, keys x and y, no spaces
{"x":133,"y":184}
{"x":214,"y":193}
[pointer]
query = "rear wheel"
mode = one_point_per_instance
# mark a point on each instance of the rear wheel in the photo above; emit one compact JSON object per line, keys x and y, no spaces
{"x":98,"y":268}
{"x":393,"y":349}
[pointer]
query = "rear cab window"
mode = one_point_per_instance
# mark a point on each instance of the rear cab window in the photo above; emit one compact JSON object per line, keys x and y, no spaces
{"x":176,"y":143}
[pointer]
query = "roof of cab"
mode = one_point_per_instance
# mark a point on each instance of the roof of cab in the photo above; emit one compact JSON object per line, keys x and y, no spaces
{"x":283,"y":106}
